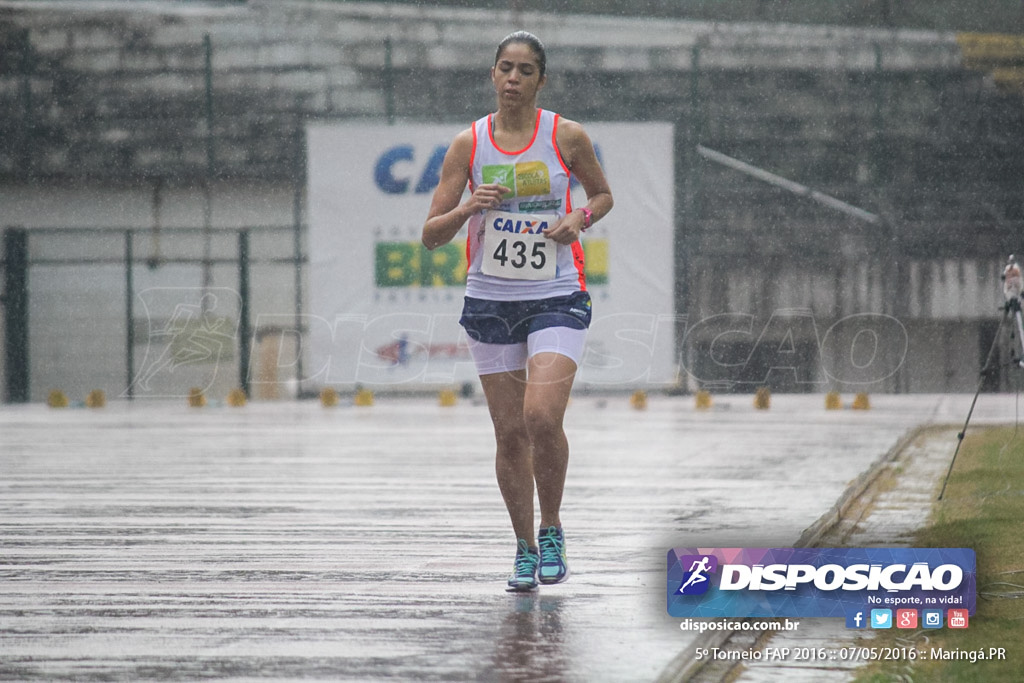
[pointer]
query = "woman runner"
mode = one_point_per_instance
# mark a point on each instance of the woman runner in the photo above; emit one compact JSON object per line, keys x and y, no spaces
{"x":526,"y":309}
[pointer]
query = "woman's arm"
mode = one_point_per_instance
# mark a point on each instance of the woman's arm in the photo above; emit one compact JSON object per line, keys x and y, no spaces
{"x":447,"y":215}
{"x":578,"y":153}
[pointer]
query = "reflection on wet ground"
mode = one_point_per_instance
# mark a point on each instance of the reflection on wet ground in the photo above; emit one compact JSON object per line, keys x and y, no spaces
{"x":530,"y":644}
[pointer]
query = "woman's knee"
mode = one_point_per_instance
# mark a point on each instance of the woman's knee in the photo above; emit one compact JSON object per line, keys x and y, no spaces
{"x":542,"y":422}
{"x":511,"y":436}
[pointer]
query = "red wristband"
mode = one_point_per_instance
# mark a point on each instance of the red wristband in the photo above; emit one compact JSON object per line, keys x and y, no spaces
{"x":588,"y":218}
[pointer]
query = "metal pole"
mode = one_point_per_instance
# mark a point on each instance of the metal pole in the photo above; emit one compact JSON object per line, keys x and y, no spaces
{"x":207,"y":200}
{"x":297,"y":256}
{"x":244,"y":331}
{"x":389,"y":82}
{"x":696,"y":131}
{"x":877,"y":143}
{"x":15,"y":304}
{"x":129,"y":296}
{"x":786,"y":184}
{"x":888,"y":255}
{"x":208,"y":79}
{"x":25,"y":86}
{"x":686,"y":210}
{"x":1020,"y":336}
{"x":158,"y":201}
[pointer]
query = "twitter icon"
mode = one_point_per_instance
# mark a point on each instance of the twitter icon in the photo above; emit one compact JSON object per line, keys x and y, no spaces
{"x":881,"y":618}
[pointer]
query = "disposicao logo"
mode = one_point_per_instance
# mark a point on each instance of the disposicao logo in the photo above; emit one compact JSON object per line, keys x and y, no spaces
{"x":695,"y":580}
{"x":808,"y":582}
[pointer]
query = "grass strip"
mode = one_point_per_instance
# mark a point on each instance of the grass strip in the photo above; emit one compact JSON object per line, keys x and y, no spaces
{"x":983,"y":508}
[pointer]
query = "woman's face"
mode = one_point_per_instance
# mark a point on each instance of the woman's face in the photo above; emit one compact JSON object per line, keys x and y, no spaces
{"x":516,"y":75}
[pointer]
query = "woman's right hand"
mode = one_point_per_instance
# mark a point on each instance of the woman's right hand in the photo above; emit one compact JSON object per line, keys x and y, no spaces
{"x":486,"y":197}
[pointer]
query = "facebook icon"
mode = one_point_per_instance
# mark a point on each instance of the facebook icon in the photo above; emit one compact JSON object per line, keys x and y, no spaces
{"x":856,"y":619}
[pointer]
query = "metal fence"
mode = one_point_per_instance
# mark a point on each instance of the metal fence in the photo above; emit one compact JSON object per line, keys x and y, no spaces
{"x":140,"y":313}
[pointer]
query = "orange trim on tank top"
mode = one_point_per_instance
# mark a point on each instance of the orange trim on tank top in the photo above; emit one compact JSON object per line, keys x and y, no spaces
{"x":554,"y":143}
{"x":577,"y":247}
{"x":578,"y":260}
{"x":490,"y":134}
{"x":472,"y":158}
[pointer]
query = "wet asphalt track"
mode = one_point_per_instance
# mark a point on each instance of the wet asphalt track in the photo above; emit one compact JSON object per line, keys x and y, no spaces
{"x":287,"y":541}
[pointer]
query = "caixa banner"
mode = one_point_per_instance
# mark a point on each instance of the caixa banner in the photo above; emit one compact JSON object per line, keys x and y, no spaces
{"x":817,"y":582}
{"x":384,"y":311}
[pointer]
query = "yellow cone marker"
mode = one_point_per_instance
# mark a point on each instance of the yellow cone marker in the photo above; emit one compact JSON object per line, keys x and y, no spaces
{"x":329,"y":397}
{"x":237,"y":398}
{"x":703,"y":400}
{"x":861,"y":402}
{"x":638,"y":400}
{"x":763,"y":399}
{"x":196,"y":398}
{"x":833,"y":401}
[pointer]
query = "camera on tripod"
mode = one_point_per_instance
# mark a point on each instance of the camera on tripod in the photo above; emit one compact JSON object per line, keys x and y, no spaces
{"x":1013,"y":291}
{"x":1013,"y":286}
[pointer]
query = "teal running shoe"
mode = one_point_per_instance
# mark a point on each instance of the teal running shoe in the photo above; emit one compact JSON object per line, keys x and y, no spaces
{"x":553,"y":566}
{"x":524,"y":574}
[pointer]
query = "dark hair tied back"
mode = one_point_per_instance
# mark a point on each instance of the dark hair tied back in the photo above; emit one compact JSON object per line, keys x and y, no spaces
{"x":526,"y":38}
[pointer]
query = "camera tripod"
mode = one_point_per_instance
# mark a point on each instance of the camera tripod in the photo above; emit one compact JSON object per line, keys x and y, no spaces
{"x":1013,"y":284}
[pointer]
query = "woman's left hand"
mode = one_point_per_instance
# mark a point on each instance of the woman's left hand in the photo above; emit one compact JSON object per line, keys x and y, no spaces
{"x":567,"y":230}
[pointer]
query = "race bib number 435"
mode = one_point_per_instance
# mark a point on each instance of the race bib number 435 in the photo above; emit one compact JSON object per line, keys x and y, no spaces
{"x":514,"y":246}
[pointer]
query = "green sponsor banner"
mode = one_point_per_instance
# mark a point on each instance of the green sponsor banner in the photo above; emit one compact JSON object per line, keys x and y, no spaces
{"x":410,"y":264}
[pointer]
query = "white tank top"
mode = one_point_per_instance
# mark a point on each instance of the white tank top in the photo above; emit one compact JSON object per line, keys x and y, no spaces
{"x":539,"y":180}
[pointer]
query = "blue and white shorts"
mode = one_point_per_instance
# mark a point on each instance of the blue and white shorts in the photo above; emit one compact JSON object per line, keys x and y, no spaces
{"x":504,"y":334}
